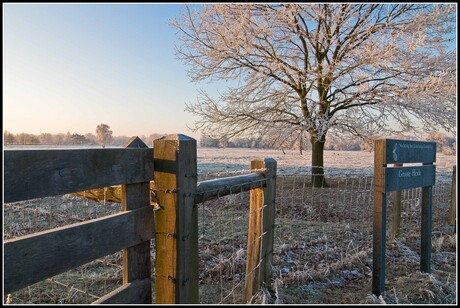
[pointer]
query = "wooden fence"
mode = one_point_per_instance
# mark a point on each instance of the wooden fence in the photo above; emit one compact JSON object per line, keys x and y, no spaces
{"x":167,"y":213}
{"x":30,"y":174}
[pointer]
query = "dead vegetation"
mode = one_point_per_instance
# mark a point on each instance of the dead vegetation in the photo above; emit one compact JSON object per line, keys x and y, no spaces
{"x":322,"y":251}
{"x":323,"y":247}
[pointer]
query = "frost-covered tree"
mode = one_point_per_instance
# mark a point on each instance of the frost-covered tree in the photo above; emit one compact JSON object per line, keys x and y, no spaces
{"x":103,"y":134}
{"x":302,"y":70}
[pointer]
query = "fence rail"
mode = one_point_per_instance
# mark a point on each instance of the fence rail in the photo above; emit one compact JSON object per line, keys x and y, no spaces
{"x":212,"y":189}
{"x":32,"y":174}
{"x":29,"y":259}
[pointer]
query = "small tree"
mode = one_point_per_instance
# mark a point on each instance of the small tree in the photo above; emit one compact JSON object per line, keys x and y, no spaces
{"x":103,"y":134}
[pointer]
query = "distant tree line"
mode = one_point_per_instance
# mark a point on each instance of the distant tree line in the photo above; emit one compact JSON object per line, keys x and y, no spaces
{"x":206,"y":141}
{"x":55,"y":139}
{"x":339,"y":144}
{"x":70,"y":139}
{"x":445,"y":144}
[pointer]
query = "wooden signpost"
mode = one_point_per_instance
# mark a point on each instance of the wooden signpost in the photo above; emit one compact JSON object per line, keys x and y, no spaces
{"x":386,"y":179}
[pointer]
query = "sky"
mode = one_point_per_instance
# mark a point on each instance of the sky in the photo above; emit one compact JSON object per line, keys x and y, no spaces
{"x":71,"y":67}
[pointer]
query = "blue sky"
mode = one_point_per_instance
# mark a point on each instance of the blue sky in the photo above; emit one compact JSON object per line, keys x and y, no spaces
{"x":70,"y":67}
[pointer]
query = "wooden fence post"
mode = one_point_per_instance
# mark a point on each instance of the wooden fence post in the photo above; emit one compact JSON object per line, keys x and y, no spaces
{"x":261,"y":229}
{"x":268,"y":219}
{"x":396,"y":227}
{"x":176,"y":221}
{"x":426,"y":226}
{"x":453,"y":200}
{"x":136,"y":259}
{"x":379,"y":224}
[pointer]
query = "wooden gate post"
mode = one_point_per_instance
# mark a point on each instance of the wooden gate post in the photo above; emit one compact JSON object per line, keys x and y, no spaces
{"x":176,"y":222}
{"x":261,"y":229}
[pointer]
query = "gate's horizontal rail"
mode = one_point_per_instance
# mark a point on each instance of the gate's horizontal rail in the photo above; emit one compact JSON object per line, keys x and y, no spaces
{"x":32,"y":174}
{"x":134,"y":292}
{"x":212,"y":189}
{"x":33,"y":258}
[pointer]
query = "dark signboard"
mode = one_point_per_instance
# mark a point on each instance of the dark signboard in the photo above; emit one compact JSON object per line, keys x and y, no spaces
{"x":422,"y":156}
{"x":407,"y":151}
{"x":400,"y":178}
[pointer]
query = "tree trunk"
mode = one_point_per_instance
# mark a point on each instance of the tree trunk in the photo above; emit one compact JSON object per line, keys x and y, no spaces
{"x":317,"y":162}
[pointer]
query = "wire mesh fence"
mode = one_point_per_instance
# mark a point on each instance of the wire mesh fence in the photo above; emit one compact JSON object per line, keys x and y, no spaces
{"x":323,"y":239}
{"x":223,"y":230}
{"x":81,"y":285}
{"x":231,"y":232}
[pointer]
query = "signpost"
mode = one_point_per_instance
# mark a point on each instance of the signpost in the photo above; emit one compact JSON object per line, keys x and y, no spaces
{"x":386,"y":179}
